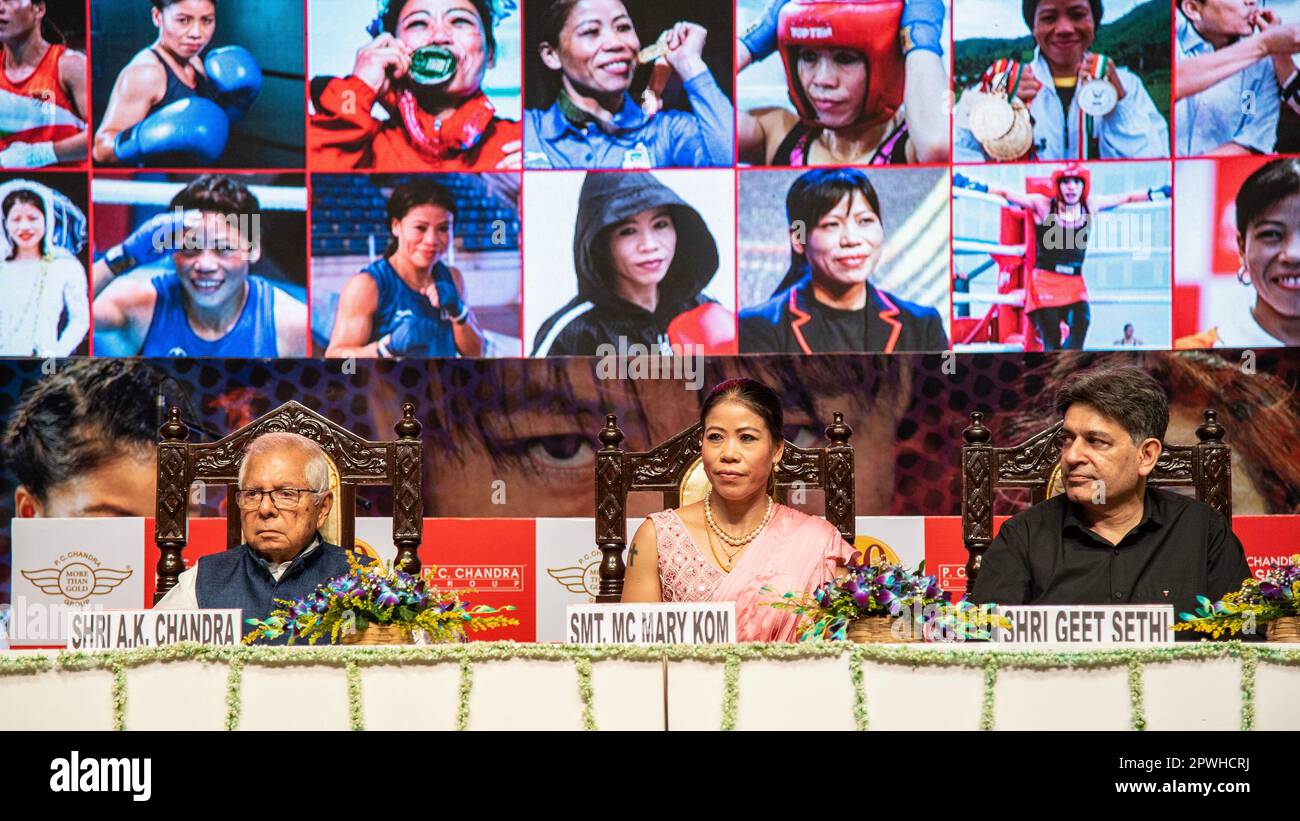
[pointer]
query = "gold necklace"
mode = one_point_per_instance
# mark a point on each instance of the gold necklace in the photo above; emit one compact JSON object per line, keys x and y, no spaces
{"x":734,"y":541}
{"x":724,"y":565}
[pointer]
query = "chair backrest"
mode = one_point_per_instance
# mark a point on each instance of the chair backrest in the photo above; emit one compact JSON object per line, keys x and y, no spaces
{"x":673,"y":468}
{"x":356,"y":461}
{"x":1035,"y":463}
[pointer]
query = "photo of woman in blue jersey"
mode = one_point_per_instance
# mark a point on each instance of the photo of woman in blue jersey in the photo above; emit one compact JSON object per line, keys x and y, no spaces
{"x":409,"y":302}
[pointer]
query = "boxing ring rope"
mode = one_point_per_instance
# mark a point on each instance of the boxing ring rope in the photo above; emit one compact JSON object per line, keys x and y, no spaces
{"x":968,"y":246}
{"x":994,"y":199}
{"x":154,"y":194}
{"x":1098,"y":298}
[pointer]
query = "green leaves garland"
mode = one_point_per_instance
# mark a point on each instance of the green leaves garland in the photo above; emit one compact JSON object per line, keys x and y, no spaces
{"x":861,"y":721}
{"x":462,"y":694}
{"x":988,"y":704}
{"x":585,"y":693}
{"x":356,"y":714}
{"x":1248,"y":664}
{"x":1136,"y":696}
{"x":730,"y":691}
{"x":234,"y":693}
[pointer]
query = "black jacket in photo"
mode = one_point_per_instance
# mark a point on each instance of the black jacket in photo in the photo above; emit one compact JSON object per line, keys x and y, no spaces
{"x":793,"y":321}
{"x":597,"y":315}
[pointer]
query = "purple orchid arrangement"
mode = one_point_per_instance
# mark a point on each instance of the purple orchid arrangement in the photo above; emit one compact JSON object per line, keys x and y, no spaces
{"x":884,"y":590}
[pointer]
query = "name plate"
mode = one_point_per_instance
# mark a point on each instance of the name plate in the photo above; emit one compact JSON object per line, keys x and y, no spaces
{"x":129,"y":629}
{"x":658,"y":623}
{"x":1087,"y":624}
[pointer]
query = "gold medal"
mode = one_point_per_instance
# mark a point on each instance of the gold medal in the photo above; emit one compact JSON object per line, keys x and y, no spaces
{"x":654,"y":51}
{"x":998,"y":118}
{"x":991,"y":117}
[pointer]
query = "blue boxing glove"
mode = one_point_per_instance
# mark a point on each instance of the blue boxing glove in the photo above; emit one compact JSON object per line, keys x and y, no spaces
{"x":963,"y":181}
{"x":922,"y":26}
{"x":195,"y":128}
{"x":410,"y":338}
{"x":236,"y":77}
{"x":1162,"y":192}
{"x":760,"y":39}
{"x":449,"y":301}
{"x":153,"y":240}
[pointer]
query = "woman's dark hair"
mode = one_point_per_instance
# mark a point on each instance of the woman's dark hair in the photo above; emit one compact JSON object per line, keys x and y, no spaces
{"x":90,"y":412}
{"x":413,"y":194}
{"x":31,"y":198}
{"x":483,"y":7}
{"x":1030,"y":8}
{"x":551,"y":21}
{"x":1272,"y":182}
{"x":811,"y":197}
{"x":162,"y":4}
{"x":754,"y":395}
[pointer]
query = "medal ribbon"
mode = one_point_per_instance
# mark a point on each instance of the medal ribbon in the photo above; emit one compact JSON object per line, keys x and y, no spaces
{"x":1085,"y":121}
{"x":1002,"y":77}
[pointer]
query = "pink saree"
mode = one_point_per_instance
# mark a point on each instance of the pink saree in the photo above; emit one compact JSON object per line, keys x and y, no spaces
{"x":796,"y":552}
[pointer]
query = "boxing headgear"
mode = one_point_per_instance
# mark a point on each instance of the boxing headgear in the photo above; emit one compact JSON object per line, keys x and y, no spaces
{"x":869,"y":27}
{"x":1072,"y":170}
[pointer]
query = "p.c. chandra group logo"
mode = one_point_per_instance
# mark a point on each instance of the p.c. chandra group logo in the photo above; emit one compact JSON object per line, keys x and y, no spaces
{"x":582,"y":578}
{"x":76,"y":576}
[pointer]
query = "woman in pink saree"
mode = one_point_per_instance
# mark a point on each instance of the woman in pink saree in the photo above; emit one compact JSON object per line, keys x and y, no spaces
{"x":736,"y":541}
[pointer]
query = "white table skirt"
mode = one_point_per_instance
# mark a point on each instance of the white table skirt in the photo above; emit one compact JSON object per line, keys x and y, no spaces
{"x":522,"y":686}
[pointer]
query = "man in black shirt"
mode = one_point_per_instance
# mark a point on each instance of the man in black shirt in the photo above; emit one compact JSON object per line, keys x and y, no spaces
{"x":1109,"y":539}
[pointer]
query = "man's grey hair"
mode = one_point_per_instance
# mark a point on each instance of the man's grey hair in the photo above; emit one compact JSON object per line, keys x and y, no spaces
{"x":318,"y":464}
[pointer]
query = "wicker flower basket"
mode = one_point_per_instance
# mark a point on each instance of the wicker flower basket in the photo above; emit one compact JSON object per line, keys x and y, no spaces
{"x":877,"y":630}
{"x":1285,"y":629}
{"x":379,"y":634}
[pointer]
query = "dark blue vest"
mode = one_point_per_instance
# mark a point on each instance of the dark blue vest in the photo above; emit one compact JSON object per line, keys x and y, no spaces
{"x":397,"y":303}
{"x":240,"y":578}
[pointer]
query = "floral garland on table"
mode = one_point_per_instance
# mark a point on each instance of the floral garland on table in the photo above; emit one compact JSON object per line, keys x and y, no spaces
{"x":377,"y":594}
{"x":731,"y":656}
{"x":914,"y":600}
{"x":1258,"y":601}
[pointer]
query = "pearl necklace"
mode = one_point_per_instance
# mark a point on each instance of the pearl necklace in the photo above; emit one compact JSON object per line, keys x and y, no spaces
{"x":734,"y":541}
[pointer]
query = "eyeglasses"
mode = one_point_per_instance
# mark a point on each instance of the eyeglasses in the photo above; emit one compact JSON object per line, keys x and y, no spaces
{"x":282,"y":497}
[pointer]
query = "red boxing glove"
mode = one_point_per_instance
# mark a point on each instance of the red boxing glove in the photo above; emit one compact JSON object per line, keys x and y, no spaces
{"x":709,"y":326}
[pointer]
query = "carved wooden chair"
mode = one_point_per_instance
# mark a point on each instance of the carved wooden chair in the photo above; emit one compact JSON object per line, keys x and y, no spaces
{"x":356,"y":461}
{"x":1035,"y":464}
{"x":675,"y":469}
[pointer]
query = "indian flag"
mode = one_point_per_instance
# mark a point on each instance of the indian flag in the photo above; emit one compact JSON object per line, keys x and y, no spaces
{"x":31,"y":120}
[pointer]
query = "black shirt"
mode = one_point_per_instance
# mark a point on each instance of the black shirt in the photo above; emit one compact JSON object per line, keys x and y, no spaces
{"x":1047,"y":555}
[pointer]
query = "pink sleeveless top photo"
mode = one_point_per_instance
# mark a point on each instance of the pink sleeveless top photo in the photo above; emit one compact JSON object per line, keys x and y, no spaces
{"x":794,"y":553}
